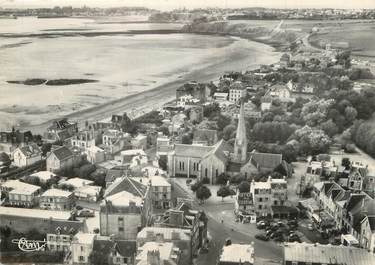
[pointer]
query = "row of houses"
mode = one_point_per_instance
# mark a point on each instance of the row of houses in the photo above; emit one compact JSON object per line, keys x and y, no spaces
{"x":21,"y":194}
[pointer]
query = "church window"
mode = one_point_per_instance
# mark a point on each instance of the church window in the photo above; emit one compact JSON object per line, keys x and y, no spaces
{"x":217,"y":172}
{"x":205,"y":172}
{"x":180,"y":165}
{"x":183,"y":165}
{"x":194,"y":166}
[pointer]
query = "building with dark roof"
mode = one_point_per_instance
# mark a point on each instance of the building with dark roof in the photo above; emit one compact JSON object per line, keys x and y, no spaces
{"x":60,"y":130}
{"x":61,"y":158}
{"x":106,"y":250}
{"x":9,"y":141}
{"x":126,"y":208}
{"x":202,"y":161}
{"x":184,"y":217}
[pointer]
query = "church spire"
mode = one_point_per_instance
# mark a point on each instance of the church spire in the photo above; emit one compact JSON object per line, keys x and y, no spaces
{"x":240,"y":144}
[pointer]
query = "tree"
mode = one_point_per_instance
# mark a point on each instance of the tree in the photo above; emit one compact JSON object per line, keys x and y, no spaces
{"x":211,"y":110}
{"x":203,"y":193}
{"x":196,"y":186}
{"x":46,"y":147}
{"x":223,"y":192}
{"x":4,"y":159}
{"x":222,"y":122}
{"x":330,"y":128}
{"x":222,"y":179}
{"x":85,"y":170}
{"x":237,"y":179}
{"x":350,"y":113}
{"x":313,"y":141}
{"x":228,"y":132}
{"x":244,"y":186}
{"x":345,"y":162}
{"x":187,"y":138}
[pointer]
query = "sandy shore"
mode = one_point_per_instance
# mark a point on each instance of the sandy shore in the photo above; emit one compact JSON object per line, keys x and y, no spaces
{"x":154,"y":98}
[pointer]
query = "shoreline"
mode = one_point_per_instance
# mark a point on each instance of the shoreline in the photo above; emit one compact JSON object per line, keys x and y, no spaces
{"x":144,"y":101}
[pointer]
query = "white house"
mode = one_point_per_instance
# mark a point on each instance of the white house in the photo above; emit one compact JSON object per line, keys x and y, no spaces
{"x":27,"y":155}
{"x":82,"y":245}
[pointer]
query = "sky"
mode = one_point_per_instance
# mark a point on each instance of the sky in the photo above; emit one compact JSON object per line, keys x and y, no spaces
{"x":171,"y":4}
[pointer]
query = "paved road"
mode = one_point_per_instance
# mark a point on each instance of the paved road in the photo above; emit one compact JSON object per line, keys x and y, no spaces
{"x":265,"y":252}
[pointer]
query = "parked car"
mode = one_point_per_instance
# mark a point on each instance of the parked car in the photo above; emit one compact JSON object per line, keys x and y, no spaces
{"x":262,"y":237}
{"x":86,"y":213}
{"x":261,"y":225}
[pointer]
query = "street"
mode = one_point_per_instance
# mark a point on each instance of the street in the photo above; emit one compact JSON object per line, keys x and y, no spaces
{"x":265,"y":252}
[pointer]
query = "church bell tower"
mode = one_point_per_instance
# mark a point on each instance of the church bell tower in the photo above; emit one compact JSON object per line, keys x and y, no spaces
{"x":240,"y":144}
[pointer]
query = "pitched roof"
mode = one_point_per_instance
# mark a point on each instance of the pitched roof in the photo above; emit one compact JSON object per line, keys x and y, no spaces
{"x":104,"y":246}
{"x":126,"y":248}
{"x":66,"y":227}
{"x":56,"y":193}
{"x":30,"y":150}
{"x":354,"y":200}
{"x":114,"y":173}
{"x":126,"y":184}
{"x":189,"y":150}
{"x":62,"y":153}
{"x":266,"y":160}
{"x":371,"y":221}
{"x":124,"y":198}
{"x":220,"y":150}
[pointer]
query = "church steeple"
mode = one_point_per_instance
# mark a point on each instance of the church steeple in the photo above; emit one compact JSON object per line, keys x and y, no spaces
{"x":240,"y":144}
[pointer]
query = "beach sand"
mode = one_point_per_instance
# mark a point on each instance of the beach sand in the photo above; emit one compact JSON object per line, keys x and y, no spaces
{"x":137,"y":104}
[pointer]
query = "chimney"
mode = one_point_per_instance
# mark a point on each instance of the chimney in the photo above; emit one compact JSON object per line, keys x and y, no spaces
{"x":153,"y":257}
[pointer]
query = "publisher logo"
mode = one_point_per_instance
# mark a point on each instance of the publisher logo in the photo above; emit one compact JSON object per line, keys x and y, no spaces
{"x":27,"y":245}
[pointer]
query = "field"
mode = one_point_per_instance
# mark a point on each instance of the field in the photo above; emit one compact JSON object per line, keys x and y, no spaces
{"x":359,"y":35}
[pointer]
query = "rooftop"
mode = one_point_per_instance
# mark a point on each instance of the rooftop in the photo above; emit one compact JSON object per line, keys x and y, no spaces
{"x":165,"y":249}
{"x":62,"y":153}
{"x":167,"y":232}
{"x":77,"y":182}
{"x":30,"y":150}
{"x":239,"y":253}
{"x":56,"y":193}
{"x":327,"y":254}
{"x":266,"y":160}
{"x":19,"y":187}
{"x":124,"y":198}
{"x":34,"y":213}
{"x":192,"y":150}
{"x":156,"y":181}
{"x":126,"y":184}
{"x":43,"y":175}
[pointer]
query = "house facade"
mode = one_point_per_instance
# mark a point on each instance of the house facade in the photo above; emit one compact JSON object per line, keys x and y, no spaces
{"x":56,"y":199}
{"x":60,"y":158}
{"x":27,"y":155}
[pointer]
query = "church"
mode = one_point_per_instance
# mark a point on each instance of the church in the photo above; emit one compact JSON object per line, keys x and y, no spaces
{"x":202,"y":161}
